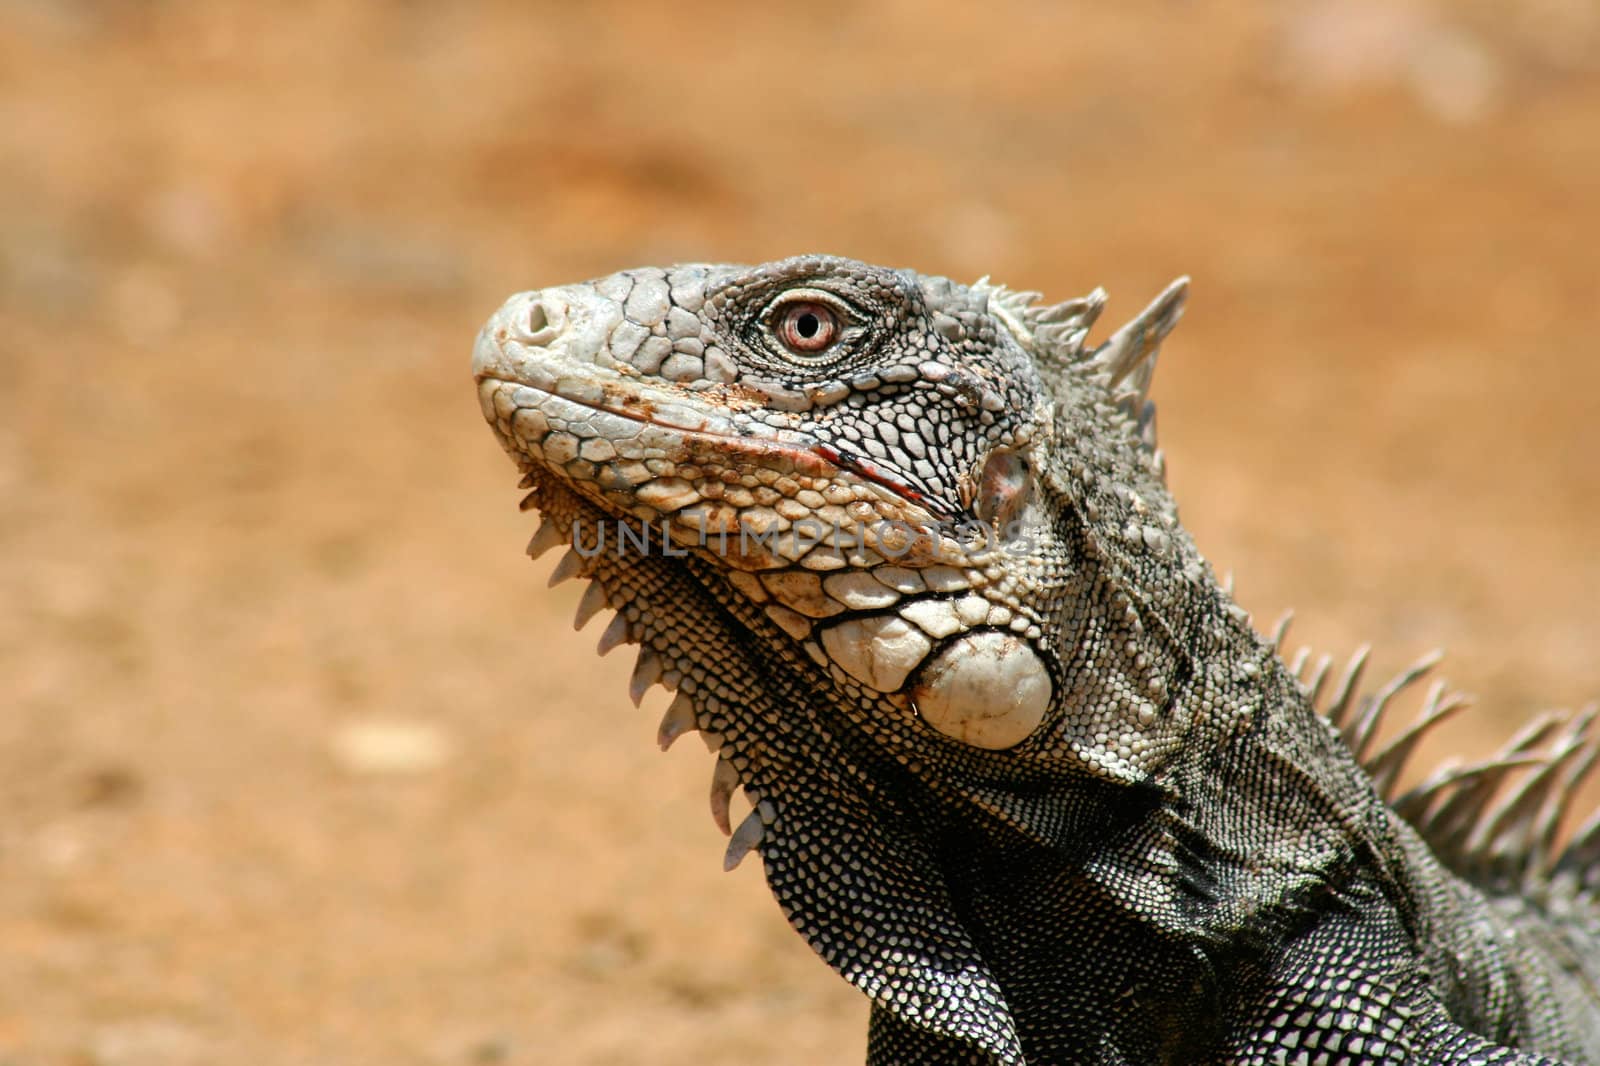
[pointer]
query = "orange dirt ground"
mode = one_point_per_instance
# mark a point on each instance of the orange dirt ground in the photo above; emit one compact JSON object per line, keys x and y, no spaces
{"x":299,"y":760}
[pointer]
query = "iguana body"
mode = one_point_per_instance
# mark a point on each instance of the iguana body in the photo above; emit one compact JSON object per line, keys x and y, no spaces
{"x":1019,"y":769}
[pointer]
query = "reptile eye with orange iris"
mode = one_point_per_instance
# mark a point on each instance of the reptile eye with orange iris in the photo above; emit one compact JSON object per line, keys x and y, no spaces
{"x":807,"y":327}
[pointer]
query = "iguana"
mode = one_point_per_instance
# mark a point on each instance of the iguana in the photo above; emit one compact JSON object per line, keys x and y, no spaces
{"x":1019,"y":768}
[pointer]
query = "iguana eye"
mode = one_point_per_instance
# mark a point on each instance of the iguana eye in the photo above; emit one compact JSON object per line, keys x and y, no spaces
{"x":807,"y":327}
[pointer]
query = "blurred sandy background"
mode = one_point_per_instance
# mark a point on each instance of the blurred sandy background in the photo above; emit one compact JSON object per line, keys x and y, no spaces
{"x":299,"y":761}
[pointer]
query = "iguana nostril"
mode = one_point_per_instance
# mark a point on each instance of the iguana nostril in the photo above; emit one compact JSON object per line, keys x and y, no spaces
{"x":542,"y":323}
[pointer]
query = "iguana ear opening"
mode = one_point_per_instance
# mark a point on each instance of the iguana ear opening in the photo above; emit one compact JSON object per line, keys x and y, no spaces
{"x":1002,"y":489}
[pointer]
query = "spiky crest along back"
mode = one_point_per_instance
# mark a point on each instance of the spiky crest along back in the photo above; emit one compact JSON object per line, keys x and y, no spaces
{"x":1494,"y":821}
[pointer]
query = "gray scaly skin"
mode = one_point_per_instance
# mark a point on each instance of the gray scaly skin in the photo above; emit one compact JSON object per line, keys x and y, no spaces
{"x":1018,"y":767}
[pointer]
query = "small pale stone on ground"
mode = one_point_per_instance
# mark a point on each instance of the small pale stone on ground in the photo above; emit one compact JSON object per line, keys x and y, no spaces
{"x":390,"y":747}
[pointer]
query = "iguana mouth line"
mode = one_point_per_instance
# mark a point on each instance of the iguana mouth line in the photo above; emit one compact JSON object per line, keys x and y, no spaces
{"x":817,"y":460}
{"x":877,"y":475}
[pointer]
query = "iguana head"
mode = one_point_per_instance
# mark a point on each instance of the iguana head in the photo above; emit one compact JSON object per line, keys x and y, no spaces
{"x":880,"y":532}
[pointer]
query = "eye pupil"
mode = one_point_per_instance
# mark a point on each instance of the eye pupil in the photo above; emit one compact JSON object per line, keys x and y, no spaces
{"x":808,"y":327}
